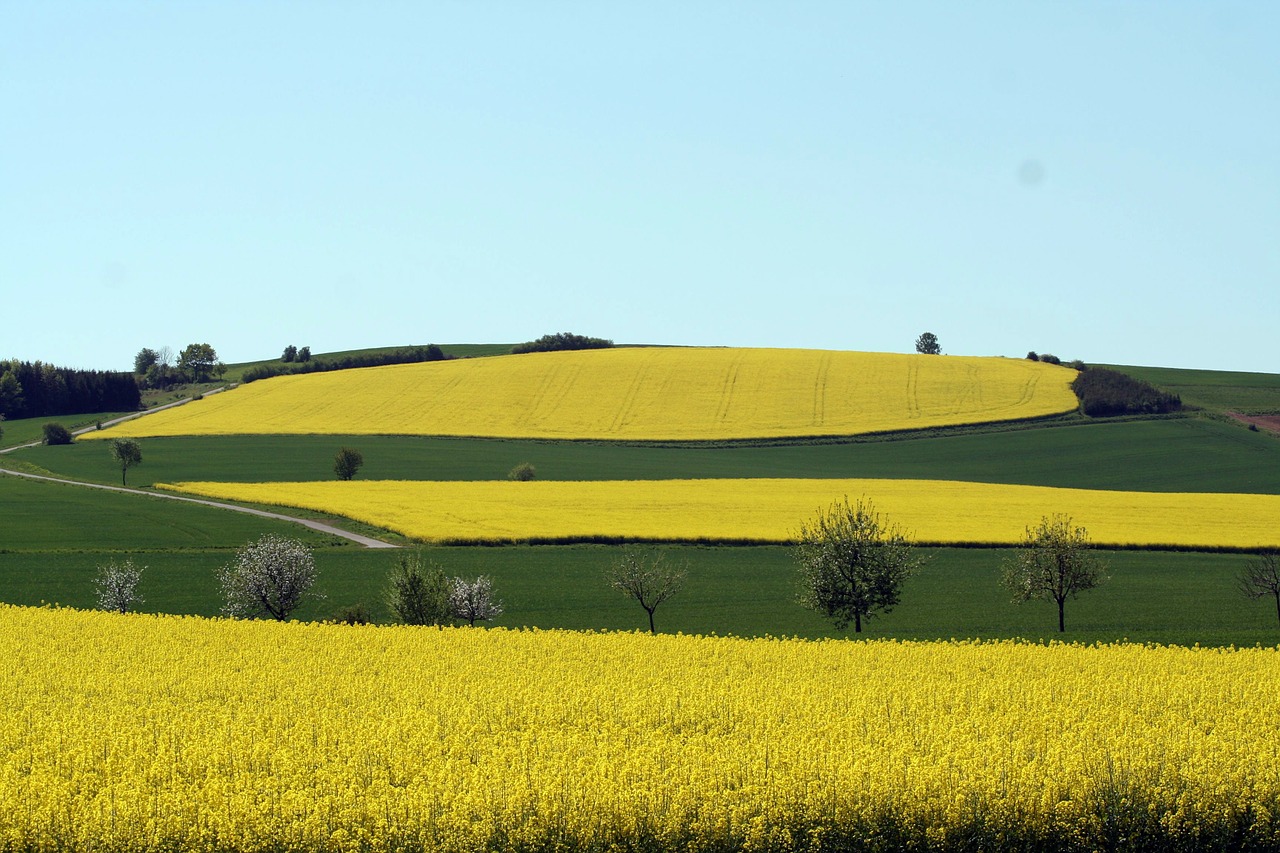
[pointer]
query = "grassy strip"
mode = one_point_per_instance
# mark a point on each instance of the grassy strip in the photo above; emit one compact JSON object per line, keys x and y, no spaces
{"x":1217,"y":390}
{"x":1181,"y":598}
{"x":1180,"y":455}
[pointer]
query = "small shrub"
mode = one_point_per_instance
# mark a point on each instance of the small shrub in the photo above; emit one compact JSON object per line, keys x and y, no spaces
{"x":1253,"y":427}
{"x":1050,"y":359}
{"x":524,"y":472}
{"x":56,"y":433}
{"x":1033,"y":356}
{"x":353,"y":614}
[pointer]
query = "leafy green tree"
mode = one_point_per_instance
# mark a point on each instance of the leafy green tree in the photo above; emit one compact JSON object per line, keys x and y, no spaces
{"x":1261,"y":578}
{"x":10,"y":393}
{"x":145,"y":360}
{"x":304,"y":354}
{"x":290,"y":353}
{"x":418,"y":591}
{"x":928,"y":344}
{"x":199,"y":363}
{"x":347,"y":462}
{"x":647,"y":579}
{"x":56,"y":433}
{"x":524,"y":472}
{"x":853,"y":563}
{"x":1054,"y":562}
{"x":271,"y":576}
{"x":127,"y":453}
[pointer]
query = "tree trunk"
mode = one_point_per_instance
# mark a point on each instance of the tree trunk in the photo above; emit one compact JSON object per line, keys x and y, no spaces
{"x":1062,"y":622}
{"x":652,"y":630}
{"x":857,"y":623}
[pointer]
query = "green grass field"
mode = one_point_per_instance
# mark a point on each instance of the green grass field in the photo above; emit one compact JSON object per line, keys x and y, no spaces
{"x":1182,"y":454}
{"x":53,"y":537}
{"x":1178,"y":598}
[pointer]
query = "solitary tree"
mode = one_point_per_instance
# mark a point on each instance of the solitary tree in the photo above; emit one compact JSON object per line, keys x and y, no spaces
{"x":524,"y":472}
{"x":127,"y":453}
{"x":1054,"y":562}
{"x":117,"y":586}
{"x":347,"y":462}
{"x":853,"y":563}
{"x":1261,"y":578}
{"x":472,"y":600}
{"x":56,"y":433}
{"x":647,"y":579}
{"x":271,"y":576}
{"x":419,"y":592}
{"x":928,"y":344}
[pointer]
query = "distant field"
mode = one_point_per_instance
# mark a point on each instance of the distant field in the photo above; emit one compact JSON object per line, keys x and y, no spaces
{"x":763,"y":510}
{"x":236,"y":371}
{"x":1174,"y":455}
{"x":1219,"y":390}
{"x":635,"y":394}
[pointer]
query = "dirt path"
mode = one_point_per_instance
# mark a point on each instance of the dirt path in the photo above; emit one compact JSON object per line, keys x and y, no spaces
{"x":319,"y":526}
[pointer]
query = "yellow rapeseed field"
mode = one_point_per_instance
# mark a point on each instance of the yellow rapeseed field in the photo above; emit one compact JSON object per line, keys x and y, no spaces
{"x":675,"y":393}
{"x":145,"y":733}
{"x":764,"y":510}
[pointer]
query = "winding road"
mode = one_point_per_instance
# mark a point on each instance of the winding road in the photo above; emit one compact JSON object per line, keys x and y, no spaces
{"x":319,"y":526}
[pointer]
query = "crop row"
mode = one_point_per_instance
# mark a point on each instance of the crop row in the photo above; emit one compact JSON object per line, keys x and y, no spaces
{"x":765,"y":510}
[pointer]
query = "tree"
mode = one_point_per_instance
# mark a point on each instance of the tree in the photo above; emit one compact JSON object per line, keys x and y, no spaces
{"x":10,"y":393}
{"x":1261,"y":578}
{"x":928,"y":344}
{"x":472,"y":600}
{"x":145,"y":360}
{"x":304,"y":354}
{"x":524,"y":472}
{"x":290,"y":353}
{"x":1054,"y":562}
{"x":56,"y":433}
{"x":418,"y":592}
{"x":127,"y":452}
{"x":853,"y":563}
{"x":199,"y":362}
{"x":117,"y":586}
{"x":647,"y":579}
{"x":347,"y":462}
{"x":271,"y":576}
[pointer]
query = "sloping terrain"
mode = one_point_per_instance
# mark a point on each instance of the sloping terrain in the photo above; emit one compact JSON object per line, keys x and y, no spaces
{"x":640,"y":394}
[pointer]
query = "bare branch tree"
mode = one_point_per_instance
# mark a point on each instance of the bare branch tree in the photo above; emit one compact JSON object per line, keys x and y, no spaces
{"x":1261,"y":578}
{"x":117,"y":586}
{"x":647,"y":579}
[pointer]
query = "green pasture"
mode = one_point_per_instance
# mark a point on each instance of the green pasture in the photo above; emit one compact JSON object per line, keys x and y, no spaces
{"x":1181,"y":598}
{"x":1216,"y":390}
{"x":1179,"y":454}
{"x":236,"y":371}
{"x":49,"y":518}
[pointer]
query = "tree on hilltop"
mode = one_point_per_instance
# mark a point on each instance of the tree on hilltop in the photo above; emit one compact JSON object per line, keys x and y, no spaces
{"x":928,"y":344}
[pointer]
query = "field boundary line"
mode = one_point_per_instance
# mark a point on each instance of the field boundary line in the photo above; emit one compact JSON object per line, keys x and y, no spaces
{"x":318,"y":526}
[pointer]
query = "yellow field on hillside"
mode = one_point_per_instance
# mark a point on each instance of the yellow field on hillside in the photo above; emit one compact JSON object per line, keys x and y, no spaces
{"x":764,"y":510}
{"x":651,"y":393}
{"x":144,"y":733}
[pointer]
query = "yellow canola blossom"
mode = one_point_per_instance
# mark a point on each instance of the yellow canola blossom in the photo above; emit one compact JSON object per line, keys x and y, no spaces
{"x":144,"y":733}
{"x":633,"y":393}
{"x":764,"y":510}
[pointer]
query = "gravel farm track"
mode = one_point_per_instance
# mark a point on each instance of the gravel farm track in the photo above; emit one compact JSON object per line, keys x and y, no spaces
{"x":318,"y":526}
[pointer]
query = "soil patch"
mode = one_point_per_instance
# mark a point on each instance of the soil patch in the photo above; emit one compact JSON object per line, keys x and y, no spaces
{"x":1271,"y":423}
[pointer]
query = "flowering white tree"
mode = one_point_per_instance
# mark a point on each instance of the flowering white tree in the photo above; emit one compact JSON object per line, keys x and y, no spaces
{"x":271,"y":576}
{"x":473,"y":601}
{"x":117,"y":586}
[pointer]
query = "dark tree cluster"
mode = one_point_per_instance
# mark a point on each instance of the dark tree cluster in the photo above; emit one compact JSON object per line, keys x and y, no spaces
{"x":413,"y":355}
{"x":292,"y":353}
{"x":1107,"y":393}
{"x":36,"y":390}
{"x":561,"y":341}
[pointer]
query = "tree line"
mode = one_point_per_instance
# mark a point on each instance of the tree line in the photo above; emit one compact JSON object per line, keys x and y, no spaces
{"x":34,"y":389}
{"x":292,"y":361}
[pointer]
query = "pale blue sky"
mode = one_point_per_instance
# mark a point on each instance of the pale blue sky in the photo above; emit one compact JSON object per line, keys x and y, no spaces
{"x":1096,"y":180}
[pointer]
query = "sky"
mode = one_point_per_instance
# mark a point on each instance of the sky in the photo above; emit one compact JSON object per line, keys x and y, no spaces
{"x":1100,"y":181}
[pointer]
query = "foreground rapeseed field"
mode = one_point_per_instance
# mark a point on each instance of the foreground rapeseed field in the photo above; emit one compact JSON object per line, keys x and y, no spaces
{"x":145,"y":733}
{"x":649,"y":393}
{"x":764,"y":510}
